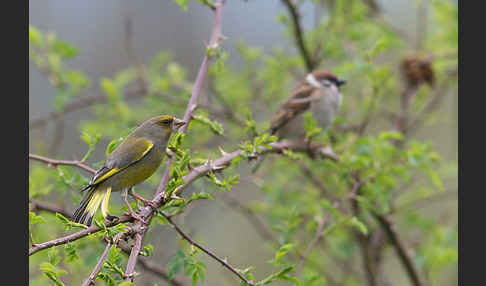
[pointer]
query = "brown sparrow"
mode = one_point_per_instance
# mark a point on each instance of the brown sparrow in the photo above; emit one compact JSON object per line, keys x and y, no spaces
{"x":319,"y":93}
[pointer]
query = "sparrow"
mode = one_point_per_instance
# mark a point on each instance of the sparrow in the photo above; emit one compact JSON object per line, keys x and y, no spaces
{"x":320,"y":94}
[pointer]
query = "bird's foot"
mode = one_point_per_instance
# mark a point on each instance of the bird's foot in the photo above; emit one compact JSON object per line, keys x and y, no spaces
{"x":144,"y":201}
{"x":132,"y":213}
{"x":112,"y":218}
{"x":135,"y":215}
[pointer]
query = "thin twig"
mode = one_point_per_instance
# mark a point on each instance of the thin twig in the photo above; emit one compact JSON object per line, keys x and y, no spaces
{"x":54,"y":163}
{"x":313,"y":243}
{"x":257,"y":223}
{"x":299,"y":35}
{"x":223,"y":262}
{"x":96,"y":270}
{"x":400,"y":248}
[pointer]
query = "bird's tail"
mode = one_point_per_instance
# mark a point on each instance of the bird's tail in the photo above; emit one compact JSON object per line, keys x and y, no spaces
{"x":87,"y":208}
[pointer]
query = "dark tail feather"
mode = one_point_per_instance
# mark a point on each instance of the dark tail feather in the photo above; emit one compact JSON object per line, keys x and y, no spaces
{"x":81,"y":213}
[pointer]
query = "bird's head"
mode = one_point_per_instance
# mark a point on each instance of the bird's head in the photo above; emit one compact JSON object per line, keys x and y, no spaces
{"x":324,"y":79}
{"x":167,"y":122}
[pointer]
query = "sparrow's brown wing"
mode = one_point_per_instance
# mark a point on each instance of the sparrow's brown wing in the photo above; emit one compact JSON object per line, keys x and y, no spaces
{"x":290,"y":109}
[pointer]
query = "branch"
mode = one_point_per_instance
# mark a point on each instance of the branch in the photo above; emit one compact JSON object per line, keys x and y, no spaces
{"x":148,"y":212}
{"x":250,"y":215}
{"x":152,"y":267}
{"x":223,"y":262}
{"x":96,"y":270}
{"x":400,"y":248}
{"x":54,"y":163}
{"x":276,"y":147}
{"x":75,"y":236}
{"x":317,"y":238}
{"x":299,"y":35}
{"x":147,"y":265}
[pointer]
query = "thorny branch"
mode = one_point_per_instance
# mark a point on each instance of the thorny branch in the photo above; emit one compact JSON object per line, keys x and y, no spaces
{"x":37,"y":206}
{"x":77,"y":235}
{"x":148,"y":212}
{"x":218,"y":164}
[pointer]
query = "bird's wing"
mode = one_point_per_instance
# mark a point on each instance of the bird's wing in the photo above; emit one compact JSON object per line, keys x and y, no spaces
{"x":294,"y":105}
{"x":128,"y":152}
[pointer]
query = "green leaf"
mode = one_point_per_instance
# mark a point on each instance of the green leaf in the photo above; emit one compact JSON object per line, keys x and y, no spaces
{"x":380,"y":46}
{"x":109,"y":88}
{"x":126,"y":283}
{"x":215,"y":126}
{"x":65,"y":50}
{"x":77,"y":80}
{"x":62,"y":218}
{"x":284,"y":249}
{"x":70,"y":251}
{"x":91,"y":140}
{"x":358,"y":224}
{"x":35,"y":219}
{"x":147,"y":250}
{"x":310,"y":126}
{"x":52,"y":272}
{"x":176,"y":264}
{"x":35,"y":37}
{"x":281,"y":275}
{"x":113,"y":144}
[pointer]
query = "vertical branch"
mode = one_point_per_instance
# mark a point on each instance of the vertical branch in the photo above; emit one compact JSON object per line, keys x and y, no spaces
{"x":196,"y":91}
{"x":148,"y":212}
{"x":400,"y":248}
{"x":132,"y":259}
{"x":299,"y":35}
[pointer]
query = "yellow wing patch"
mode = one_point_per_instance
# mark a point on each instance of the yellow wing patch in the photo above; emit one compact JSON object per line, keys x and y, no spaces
{"x":116,"y":170}
{"x":107,"y":175}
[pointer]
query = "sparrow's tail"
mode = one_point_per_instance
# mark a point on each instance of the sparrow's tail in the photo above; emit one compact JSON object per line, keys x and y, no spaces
{"x":87,"y":208}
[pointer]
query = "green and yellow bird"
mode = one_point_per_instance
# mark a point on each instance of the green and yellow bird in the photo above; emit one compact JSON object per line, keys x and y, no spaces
{"x":131,"y":163}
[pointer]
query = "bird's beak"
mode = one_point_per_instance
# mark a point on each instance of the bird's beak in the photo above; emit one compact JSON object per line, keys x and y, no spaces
{"x":178,"y":123}
{"x":340,"y":82}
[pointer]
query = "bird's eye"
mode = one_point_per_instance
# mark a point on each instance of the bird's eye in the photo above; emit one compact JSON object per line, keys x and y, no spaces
{"x":326,"y":83}
{"x":165,"y":121}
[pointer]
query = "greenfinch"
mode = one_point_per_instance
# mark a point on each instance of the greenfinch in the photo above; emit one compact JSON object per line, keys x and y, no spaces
{"x":131,"y":163}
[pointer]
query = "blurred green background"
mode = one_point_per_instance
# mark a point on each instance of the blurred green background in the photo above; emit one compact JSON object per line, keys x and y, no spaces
{"x":111,"y":36}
